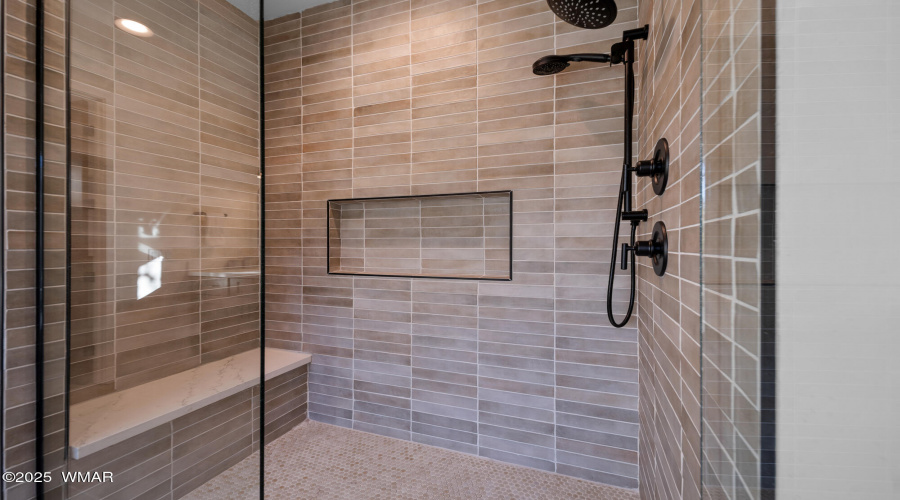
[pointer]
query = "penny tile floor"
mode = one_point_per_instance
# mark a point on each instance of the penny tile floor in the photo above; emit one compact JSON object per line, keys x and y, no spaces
{"x":317,"y":461}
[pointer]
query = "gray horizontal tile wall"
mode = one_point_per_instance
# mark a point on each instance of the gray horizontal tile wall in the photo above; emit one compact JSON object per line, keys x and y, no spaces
{"x":397,"y":97}
{"x":175,"y":458}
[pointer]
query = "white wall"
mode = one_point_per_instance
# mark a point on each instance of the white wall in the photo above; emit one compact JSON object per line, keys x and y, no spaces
{"x":838,"y":221}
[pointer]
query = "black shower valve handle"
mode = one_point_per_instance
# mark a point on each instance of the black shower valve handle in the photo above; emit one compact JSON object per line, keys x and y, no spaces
{"x":641,"y":249}
{"x":647,"y":248}
{"x":657,"y":248}
{"x":648,"y":168}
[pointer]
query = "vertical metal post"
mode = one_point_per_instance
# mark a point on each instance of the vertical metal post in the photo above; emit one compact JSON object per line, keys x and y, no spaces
{"x":3,"y":247}
{"x":39,"y":242}
{"x":629,"y":121}
{"x":262,"y":251}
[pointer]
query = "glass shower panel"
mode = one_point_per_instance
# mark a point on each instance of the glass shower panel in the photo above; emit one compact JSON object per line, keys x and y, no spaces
{"x":164,"y":242}
{"x":737,"y":215}
{"x":284,"y":31}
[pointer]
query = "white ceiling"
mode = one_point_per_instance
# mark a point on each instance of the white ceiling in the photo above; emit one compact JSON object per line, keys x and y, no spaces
{"x":250,"y":7}
{"x":275,"y":8}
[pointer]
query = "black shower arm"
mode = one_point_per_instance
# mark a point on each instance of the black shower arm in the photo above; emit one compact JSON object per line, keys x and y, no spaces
{"x":623,"y":52}
{"x":636,"y":34}
{"x":598,"y":58}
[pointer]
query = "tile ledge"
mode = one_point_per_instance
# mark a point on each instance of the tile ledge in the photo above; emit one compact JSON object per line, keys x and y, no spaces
{"x":110,"y":419}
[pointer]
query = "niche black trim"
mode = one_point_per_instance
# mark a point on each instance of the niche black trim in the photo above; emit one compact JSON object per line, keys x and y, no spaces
{"x":39,"y":242}
{"x":440,"y":195}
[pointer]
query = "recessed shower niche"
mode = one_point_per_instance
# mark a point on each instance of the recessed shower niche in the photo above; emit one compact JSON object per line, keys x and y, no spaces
{"x":462,"y":236}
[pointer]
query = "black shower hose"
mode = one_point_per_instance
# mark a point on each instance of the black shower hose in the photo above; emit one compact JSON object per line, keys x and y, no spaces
{"x":612,"y":264}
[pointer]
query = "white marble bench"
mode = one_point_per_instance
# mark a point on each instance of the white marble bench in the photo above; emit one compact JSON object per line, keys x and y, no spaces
{"x":107,"y":420}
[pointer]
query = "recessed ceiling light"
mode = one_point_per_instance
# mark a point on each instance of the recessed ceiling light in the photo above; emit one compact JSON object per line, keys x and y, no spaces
{"x":133,"y":27}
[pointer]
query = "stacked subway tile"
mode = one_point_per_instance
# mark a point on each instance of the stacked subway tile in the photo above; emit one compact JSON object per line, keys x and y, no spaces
{"x":399,"y":98}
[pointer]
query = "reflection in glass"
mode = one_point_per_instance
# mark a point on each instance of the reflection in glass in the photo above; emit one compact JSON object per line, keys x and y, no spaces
{"x":165,"y":209}
{"x":149,"y":277}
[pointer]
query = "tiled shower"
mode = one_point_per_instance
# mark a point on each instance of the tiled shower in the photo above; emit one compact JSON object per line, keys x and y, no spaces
{"x":400,"y":99}
{"x":359,"y":249}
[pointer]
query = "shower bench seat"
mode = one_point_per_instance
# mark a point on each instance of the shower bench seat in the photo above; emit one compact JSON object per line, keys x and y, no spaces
{"x":113,"y":418}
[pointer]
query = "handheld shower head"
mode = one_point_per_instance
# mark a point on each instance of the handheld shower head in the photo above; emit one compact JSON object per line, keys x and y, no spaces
{"x":589,"y":14}
{"x":551,"y":65}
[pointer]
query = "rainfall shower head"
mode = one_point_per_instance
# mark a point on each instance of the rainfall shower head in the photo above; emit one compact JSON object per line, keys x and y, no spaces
{"x":551,"y":65}
{"x":589,"y":14}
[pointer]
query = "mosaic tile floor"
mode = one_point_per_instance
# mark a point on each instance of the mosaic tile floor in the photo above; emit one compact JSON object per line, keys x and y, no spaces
{"x":317,"y":461}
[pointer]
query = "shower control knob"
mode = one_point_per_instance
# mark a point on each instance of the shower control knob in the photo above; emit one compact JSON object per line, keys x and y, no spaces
{"x":657,"y":168}
{"x":657,"y":248}
{"x":647,"y":248}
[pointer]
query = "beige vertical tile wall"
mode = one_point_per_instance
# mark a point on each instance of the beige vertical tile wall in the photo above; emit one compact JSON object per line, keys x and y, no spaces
{"x":283,"y":182}
{"x":165,"y":159}
{"x":19,"y":237}
{"x":398,"y":97}
{"x":669,"y":307}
